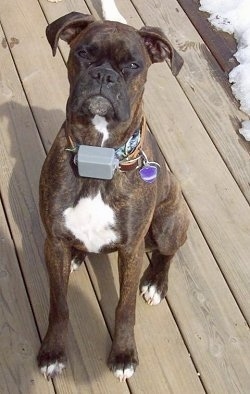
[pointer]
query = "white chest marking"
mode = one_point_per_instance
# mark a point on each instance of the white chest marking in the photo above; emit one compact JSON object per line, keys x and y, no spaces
{"x":91,"y":221}
{"x":100,"y":124}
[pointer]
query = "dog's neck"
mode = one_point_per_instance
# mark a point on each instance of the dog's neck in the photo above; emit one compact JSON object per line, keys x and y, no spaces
{"x":99,"y":131}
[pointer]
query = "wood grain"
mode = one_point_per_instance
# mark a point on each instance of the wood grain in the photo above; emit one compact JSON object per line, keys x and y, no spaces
{"x":205,"y":86}
{"x":44,"y":79}
{"x":19,"y":340}
{"x":222,"y":45}
{"x":208,"y":316}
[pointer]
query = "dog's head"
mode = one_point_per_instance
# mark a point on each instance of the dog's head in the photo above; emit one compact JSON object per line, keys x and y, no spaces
{"x":108,"y":63}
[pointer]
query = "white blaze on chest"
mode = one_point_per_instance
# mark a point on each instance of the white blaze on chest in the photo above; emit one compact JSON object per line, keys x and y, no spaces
{"x":91,"y":221}
{"x":101,"y":124}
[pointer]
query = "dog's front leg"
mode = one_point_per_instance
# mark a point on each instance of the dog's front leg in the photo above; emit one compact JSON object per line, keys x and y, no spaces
{"x":123,"y":358}
{"x":51,"y":357}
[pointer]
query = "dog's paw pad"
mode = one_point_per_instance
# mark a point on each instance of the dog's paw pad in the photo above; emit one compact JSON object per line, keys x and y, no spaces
{"x":123,"y":374}
{"x":51,"y":370}
{"x":150,"y":294}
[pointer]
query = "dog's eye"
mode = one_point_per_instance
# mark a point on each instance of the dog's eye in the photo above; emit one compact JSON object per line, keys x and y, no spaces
{"x":130,"y":66}
{"x":83,"y":53}
{"x":133,"y":66}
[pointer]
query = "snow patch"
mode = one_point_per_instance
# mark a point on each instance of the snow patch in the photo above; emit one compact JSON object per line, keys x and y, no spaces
{"x":233,"y":16}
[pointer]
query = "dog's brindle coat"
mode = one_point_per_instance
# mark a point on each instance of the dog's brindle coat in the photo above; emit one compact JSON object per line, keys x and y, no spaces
{"x":108,"y":64}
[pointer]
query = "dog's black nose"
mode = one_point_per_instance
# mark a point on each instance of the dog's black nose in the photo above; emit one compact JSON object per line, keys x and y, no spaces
{"x":105,"y":76}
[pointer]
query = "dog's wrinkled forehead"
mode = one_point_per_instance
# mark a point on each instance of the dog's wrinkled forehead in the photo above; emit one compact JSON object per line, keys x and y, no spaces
{"x":112,"y":40}
{"x":150,"y":43}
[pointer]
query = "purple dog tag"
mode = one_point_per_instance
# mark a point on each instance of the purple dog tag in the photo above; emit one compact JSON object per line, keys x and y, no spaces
{"x":148,"y":173}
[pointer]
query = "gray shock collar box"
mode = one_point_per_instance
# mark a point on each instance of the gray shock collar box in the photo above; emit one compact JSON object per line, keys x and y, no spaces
{"x":96,"y":162}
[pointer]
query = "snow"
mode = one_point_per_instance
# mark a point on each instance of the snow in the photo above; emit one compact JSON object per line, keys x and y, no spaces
{"x":233,"y":16}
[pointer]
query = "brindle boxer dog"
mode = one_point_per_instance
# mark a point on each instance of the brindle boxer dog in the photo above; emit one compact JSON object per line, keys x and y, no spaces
{"x":141,"y":206}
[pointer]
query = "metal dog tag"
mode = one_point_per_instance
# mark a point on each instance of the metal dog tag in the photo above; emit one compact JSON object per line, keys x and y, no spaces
{"x":149,"y":171}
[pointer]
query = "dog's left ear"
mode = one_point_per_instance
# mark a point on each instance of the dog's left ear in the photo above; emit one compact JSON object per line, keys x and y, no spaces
{"x":159,"y":48}
{"x":67,"y":28}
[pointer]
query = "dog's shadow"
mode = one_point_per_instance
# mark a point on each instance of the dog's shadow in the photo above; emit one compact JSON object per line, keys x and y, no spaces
{"x":100,"y":268}
{"x":22,"y":155}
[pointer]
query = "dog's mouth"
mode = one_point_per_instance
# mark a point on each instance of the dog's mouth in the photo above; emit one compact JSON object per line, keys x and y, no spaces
{"x":99,"y":105}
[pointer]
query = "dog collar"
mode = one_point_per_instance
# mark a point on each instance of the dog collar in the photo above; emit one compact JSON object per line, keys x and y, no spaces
{"x":129,"y":147}
{"x":128,"y":155}
{"x":101,"y":162}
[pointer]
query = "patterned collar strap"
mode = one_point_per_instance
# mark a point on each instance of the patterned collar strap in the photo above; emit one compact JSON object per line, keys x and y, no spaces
{"x":129,"y":147}
{"x":132,"y":150}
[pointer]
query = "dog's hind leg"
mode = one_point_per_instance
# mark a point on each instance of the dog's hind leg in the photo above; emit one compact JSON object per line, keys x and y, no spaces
{"x":52,"y":358}
{"x":154,"y":282}
{"x":167,"y":233}
{"x":77,"y":259}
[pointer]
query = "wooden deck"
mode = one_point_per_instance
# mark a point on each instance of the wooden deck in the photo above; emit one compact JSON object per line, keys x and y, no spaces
{"x":198,"y":340}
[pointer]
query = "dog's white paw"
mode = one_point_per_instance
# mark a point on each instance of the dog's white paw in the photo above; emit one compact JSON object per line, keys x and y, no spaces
{"x":123,"y":364}
{"x":76,"y":262}
{"x":150,"y":294}
{"x":123,"y":374}
{"x":74,"y":266}
{"x":51,"y":370}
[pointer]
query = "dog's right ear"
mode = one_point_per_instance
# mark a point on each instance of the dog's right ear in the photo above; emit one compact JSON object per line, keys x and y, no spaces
{"x":159,"y":48}
{"x":67,"y":27}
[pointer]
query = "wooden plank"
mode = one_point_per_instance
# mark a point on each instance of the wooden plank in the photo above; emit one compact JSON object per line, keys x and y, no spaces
{"x":205,"y":85}
{"x":19,"y":339}
{"x":45,"y":81}
{"x":62,"y":8}
{"x":222,"y":45}
{"x":213,"y":327}
{"x":159,"y":343}
{"x":215,"y":199}
{"x":215,"y":332}
{"x":21,"y":157}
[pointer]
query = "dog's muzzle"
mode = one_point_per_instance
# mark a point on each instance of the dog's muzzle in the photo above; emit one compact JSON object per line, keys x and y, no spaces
{"x":98,"y":105}
{"x":101,"y":91}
